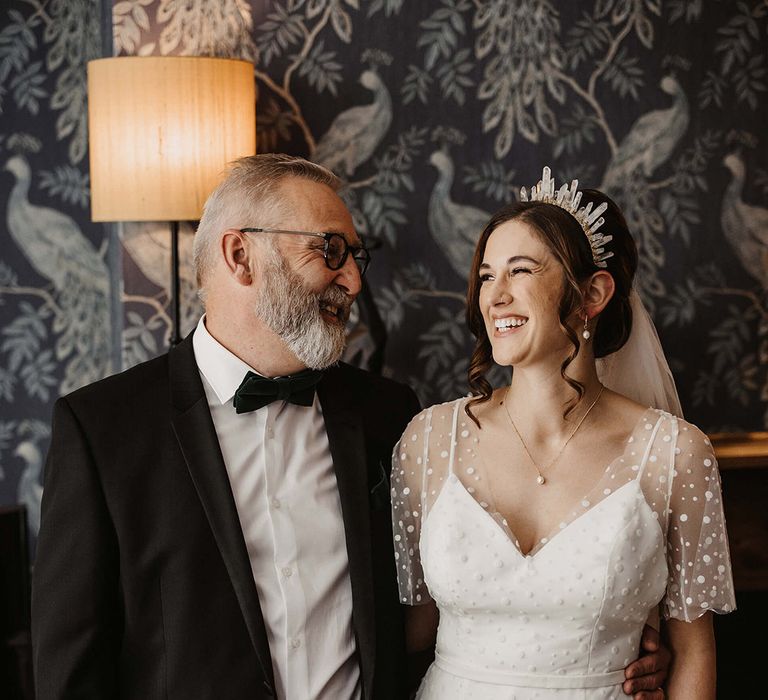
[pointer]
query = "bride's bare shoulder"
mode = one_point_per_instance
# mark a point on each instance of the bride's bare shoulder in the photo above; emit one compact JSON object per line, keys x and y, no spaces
{"x":621,"y":413}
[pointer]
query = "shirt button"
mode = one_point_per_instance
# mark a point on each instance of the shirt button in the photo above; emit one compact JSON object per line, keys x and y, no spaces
{"x":295,"y":643}
{"x":275,"y":503}
{"x":270,"y":433}
{"x":287,"y":571}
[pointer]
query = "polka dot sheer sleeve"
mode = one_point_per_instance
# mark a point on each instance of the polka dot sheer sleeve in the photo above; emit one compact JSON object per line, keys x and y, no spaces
{"x":697,"y":543}
{"x":409,"y":460}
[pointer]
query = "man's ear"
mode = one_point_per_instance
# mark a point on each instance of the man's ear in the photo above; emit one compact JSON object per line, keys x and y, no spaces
{"x":237,"y":253}
{"x":598,"y":293}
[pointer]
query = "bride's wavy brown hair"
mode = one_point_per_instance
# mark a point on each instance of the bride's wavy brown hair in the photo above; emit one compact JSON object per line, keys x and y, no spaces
{"x":565,"y":239}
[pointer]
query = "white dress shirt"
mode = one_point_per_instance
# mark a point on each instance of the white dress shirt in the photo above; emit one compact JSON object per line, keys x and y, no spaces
{"x":282,"y":477}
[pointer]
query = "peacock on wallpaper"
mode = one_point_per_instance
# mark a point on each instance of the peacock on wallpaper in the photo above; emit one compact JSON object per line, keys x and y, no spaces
{"x":435,"y":113}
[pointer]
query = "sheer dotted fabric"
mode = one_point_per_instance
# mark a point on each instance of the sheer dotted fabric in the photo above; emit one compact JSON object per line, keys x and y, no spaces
{"x":670,"y":461}
{"x":697,"y":545}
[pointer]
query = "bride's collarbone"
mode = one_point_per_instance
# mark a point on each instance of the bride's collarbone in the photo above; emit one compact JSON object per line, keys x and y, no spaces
{"x":583,"y":460}
{"x":595,"y":444}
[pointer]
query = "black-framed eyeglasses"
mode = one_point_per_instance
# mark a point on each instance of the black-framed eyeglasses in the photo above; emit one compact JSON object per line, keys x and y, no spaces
{"x":335,"y":250}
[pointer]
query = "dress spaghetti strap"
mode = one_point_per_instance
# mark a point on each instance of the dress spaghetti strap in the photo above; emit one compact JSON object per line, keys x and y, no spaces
{"x":454,"y":426}
{"x":649,"y":447}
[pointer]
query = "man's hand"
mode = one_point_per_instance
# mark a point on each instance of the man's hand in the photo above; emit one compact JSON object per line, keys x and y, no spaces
{"x":646,"y":675}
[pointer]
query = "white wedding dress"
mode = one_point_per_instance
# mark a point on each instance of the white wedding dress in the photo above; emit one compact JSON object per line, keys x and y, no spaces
{"x":564,"y":620}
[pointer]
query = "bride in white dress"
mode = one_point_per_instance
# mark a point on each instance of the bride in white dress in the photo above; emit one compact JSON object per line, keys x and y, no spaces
{"x":547,"y":521}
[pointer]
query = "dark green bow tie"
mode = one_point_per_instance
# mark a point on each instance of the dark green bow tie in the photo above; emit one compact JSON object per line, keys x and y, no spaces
{"x":256,"y":391}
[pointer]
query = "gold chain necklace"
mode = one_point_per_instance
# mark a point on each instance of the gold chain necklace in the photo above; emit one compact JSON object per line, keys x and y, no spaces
{"x":540,"y":480}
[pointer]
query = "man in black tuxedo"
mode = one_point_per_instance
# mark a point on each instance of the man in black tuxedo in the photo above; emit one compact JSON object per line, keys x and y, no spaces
{"x":201,"y":539}
{"x":208,"y":532}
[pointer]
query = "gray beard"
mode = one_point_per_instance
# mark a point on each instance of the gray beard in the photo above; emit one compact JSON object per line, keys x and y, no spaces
{"x":292,"y":312}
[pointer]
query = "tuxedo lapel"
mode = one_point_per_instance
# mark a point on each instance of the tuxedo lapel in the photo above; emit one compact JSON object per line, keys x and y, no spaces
{"x":196,"y":435}
{"x":344,"y":426}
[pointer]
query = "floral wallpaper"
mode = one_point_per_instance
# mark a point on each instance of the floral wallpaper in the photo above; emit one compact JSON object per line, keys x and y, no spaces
{"x":55,"y":281}
{"x":435,"y":113}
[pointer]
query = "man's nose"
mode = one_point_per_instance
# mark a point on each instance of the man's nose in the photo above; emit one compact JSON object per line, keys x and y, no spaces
{"x":348,"y":277}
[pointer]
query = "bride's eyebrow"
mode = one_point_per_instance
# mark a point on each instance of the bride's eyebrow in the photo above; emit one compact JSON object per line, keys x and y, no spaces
{"x":513,"y":261}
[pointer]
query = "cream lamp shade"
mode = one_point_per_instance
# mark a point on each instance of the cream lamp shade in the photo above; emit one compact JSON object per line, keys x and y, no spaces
{"x":161,"y":131}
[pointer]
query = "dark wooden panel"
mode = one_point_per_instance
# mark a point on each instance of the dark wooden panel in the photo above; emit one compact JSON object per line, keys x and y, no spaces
{"x":743,"y":460}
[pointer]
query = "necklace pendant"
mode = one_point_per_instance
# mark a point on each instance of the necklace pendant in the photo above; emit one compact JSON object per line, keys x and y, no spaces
{"x":540,"y":480}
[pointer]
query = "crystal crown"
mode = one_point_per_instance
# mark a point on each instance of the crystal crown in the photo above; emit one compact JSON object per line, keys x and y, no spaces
{"x":569,"y":198}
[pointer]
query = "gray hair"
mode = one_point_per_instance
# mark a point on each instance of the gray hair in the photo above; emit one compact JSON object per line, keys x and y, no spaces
{"x":249,"y":196}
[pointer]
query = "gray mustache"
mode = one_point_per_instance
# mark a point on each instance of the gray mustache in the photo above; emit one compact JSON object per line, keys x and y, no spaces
{"x":337,"y":297}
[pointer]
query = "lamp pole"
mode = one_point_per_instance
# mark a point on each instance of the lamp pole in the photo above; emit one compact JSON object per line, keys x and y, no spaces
{"x":175,"y":286}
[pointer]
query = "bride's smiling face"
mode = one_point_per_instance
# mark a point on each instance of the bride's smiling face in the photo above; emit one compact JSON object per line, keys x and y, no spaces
{"x":521,"y":287}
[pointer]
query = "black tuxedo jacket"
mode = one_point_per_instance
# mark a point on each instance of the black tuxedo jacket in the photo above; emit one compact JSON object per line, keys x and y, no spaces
{"x":142,"y":586}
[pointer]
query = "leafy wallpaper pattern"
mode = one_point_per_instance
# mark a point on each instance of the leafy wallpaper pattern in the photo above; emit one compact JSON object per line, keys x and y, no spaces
{"x":435,"y":113}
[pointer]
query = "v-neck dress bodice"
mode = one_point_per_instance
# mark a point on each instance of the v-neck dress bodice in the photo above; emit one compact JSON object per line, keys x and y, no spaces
{"x":564,"y":620}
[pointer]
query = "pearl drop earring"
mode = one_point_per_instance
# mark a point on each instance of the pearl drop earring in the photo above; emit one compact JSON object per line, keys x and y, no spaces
{"x":585,"y":333}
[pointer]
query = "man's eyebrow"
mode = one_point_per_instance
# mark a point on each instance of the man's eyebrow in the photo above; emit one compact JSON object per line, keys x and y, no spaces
{"x":355,"y":241}
{"x":514,"y":259}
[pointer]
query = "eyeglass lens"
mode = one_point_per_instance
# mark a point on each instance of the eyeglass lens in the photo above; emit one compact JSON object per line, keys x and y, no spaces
{"x":336,"y":253}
